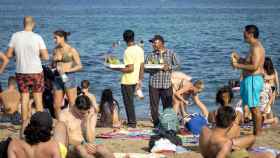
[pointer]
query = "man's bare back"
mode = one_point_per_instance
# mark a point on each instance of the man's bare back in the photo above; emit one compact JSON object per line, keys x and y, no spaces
{"x":10,"y":100}
{"x":20,"y":149}
{"x":211,"y":143}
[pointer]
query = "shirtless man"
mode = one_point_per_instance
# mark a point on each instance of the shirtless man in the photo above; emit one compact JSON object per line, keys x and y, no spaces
{"x":216,"y":143}
{"x":38,"y":142}
{"x":80,"y":121}
{"x":252,"y":72}
{"x":189,"y":89}
{"x":10,"y":98}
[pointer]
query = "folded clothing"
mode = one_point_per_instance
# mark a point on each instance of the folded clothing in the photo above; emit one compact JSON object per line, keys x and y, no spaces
{"x":163,"y":145}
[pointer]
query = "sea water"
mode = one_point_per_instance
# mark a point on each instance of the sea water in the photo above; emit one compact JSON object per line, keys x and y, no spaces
{"x":202,"y":33}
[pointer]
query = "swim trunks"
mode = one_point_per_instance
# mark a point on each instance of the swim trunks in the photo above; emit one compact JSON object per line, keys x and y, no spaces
{"x":62,"y":150}
{"x":33,"y":82}
{"x":250,"y":90}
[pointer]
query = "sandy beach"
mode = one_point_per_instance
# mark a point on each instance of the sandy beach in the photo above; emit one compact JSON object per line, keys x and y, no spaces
{"x":270,"y":138}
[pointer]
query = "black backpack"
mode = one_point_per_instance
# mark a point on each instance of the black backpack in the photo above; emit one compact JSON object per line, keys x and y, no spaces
{"x":4,"y":147}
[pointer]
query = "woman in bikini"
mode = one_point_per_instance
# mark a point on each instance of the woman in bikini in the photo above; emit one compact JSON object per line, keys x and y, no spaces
{"x":66,"y":61}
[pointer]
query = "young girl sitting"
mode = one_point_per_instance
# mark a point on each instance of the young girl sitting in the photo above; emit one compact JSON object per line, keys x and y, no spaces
{"x":224,"y":98}
{"x":109,"y":110}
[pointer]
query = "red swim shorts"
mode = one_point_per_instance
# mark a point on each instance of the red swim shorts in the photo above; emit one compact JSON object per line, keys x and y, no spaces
{"x":33,"y":82}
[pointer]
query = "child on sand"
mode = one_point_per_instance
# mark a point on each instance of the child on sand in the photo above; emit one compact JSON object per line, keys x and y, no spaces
{"x":224,"y":98}
{"x":109,"y":110}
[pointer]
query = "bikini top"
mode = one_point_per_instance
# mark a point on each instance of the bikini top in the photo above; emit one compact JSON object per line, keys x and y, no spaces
{"x":66,"y":58}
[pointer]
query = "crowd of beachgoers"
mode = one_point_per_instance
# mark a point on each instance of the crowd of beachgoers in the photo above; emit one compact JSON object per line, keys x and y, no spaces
{"x":58,"y":118}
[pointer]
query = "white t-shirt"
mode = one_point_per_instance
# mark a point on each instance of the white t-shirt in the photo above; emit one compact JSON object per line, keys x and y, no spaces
{"x":27,"y":46}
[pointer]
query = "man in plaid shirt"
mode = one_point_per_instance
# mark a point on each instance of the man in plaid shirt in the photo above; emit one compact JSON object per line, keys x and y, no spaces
{"x":160,"y":80}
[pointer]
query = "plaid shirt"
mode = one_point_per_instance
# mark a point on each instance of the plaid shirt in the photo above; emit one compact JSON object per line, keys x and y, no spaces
{"x":160,"y":78}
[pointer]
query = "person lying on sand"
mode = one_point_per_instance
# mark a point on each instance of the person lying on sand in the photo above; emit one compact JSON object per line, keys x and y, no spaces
{"x":215,"y":142}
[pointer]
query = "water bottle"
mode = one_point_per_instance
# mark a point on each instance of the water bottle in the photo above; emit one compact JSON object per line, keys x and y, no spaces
{"x":64,"y":77}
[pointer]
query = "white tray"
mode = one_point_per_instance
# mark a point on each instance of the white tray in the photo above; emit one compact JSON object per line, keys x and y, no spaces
{"x":153,"y":66}
{"x":115,"y":66}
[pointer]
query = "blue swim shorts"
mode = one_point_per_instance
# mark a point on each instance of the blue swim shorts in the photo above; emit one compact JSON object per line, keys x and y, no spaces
{"x":250,"y":90}
{"x":58,"y":83}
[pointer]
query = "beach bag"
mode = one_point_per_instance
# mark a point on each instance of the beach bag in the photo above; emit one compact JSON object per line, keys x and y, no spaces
{"x":195,"y":124}
{"x":4,"y":147}
{"x":48,"y":73}
{"x":168,"y":120}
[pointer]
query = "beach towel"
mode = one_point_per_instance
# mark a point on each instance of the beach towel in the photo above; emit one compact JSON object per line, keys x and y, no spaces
{"x":189,"y":140}
{"x":143,"y":134}
{"x":139,"y":155}
{"x":275,"y":152}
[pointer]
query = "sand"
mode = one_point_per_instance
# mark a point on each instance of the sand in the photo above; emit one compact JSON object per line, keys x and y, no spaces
{"x":270,"y":138}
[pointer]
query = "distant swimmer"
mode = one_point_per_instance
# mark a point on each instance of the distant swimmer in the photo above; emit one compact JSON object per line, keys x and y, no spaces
{"x":252,"y":72}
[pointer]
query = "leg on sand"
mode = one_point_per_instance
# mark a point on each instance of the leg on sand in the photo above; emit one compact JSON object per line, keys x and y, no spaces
{"x":24,"y":111}
{"x":58,"y":97}
{"x":257,"y":120}
{"x":244,"y":142}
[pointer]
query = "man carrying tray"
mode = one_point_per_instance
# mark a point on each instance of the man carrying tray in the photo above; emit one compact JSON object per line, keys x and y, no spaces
{"x":133,"y":74}
{"x":160,"y":79}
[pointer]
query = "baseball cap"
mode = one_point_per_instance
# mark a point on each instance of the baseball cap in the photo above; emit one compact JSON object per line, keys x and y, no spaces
{"x":157,"y":37}
{"x":42,"y":119}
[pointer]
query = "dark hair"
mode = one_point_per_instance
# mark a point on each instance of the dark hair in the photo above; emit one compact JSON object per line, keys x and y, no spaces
{"x":62,"y":33}
{"x":36,"y":133}
{"x":83,"y":102}
{"x":221,"y":91}
{"x":268,"y":66}
{"x":225,"y":116}
{"x":12,"y":81}
{"x":128,"y":36}
{"x":252,"y":29}
{"x":85,"y":84}
{"x":107,"y":96}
